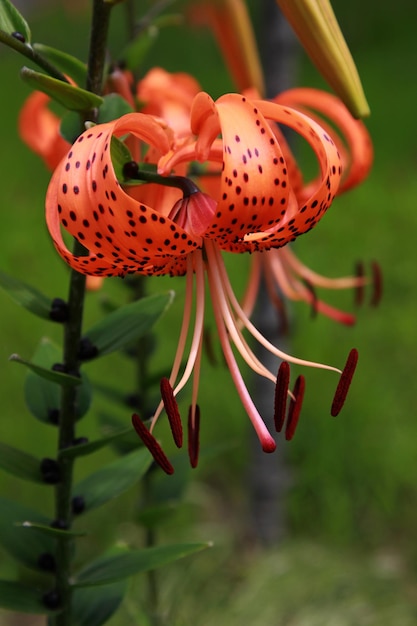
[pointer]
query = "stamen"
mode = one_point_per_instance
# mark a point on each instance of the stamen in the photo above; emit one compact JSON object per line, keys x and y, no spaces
{"x":376,"y":283}
{"x":295,"y":408}
{"x":193,"y":434}
{"x":172,"y":411}
{"x":281,"y":393}
{"x":152,"y":444}
{"x":359,"y":290}
{"x":344,"y":382}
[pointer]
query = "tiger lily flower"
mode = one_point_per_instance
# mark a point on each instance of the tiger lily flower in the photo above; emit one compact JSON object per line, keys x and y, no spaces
{"x":255,"y":210}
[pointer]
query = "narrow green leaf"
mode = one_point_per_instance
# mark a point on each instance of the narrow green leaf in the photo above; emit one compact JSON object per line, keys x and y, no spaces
{"x":11,"y":21}
{"x":66,"y":63}
{"x":20,"y":463}
{"x":125,"y":444}
{"x":22,"y":598}
{"x":55,"y":533}
{"x":26,"y":296}
{"x":56,"y":377}
{"x":128,"y":323}
{"x":25,"y":546}
{"x":92,"y":446}
{"x":72,"y":98}
{"x":93,"y":606}
{"x":114,"y":567}
{"x":113,"y":479}
{"x":42,"y":396}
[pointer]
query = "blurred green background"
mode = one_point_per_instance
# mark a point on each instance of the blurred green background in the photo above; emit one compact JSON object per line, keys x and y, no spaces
{"x":350,"y":554}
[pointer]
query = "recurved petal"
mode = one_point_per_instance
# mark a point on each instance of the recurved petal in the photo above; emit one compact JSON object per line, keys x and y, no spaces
{"x":298,"y":220}
{"x":355,"y":139}
{"x":254,"y":186}
{"x":93,"y":207}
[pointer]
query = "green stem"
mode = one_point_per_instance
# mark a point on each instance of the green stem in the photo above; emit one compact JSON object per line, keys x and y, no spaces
{"x":132,"y":172}
{"x":27,"y":51}
{"x":72,"y":336}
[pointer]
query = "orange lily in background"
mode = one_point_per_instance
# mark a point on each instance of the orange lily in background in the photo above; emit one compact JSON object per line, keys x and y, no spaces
{"x":256,"y":209}
{"x":39,"y":129}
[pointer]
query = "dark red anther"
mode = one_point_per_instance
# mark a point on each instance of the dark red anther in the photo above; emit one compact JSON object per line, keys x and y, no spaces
{"x":281,"y":393}
{"x":376,"y":283}
{"x":344,"y":382}
{"x":171,"y":408}
{"x":360,"y":290}
{"x":295,"y":408}
{"x":194,"y":434}
{"x":152,"y":444}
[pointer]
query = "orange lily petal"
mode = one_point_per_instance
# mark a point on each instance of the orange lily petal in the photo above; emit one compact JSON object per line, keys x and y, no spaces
{"x":85,"y":196}
{"x":39,"y":129}
{"x":353,"y":132}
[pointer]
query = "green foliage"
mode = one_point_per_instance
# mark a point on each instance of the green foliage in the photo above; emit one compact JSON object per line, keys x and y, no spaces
{"x":66,"y":63}
{"x":60,"y":378}
{"x":26,"y":545}
{"x":122,"y":564}
{"x":42,"y":393}
{"x":72,"y":98}
{"x":93,"y":446}
{"x":20,"y":463}
{"x":113,"y":107}
{"x":11,"y":21}
{"x":93,"y":606}
{"x":136,"y":52}
{"x":22,"y":598}
{"x":26,"y":296}
{"x":113,"y":479}
{"x":128,"y":323}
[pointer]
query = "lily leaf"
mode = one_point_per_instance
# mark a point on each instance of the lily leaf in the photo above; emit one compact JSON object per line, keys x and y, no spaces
{"x":113,"y":567}
{"x":11,"y":21}
{"x":93,"y":606}
{"x":26,"y":296}
{"x":70,"y":126}
{"x":43,"y":397}
{"x":68,"y":64}
{"x":92,"y":446}
{"x":72,"y":98}
{"x":113,"y":107}
{"x":56,"y":533}
{"x":20,"y":463}
{"x":56,"y":377}
{"x":25,"y":546}
{"x":120,"y":154}
{"x":16,"y":596}
{"x":128,"y":323}
{"x":113,"y":479}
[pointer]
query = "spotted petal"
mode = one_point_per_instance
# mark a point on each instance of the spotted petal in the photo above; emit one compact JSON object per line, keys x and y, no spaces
{"x":121,"y":233}
{"x":350,"y":134}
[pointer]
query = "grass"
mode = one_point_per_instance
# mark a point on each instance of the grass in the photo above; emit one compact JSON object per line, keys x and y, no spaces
{"x":350,"y":558}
